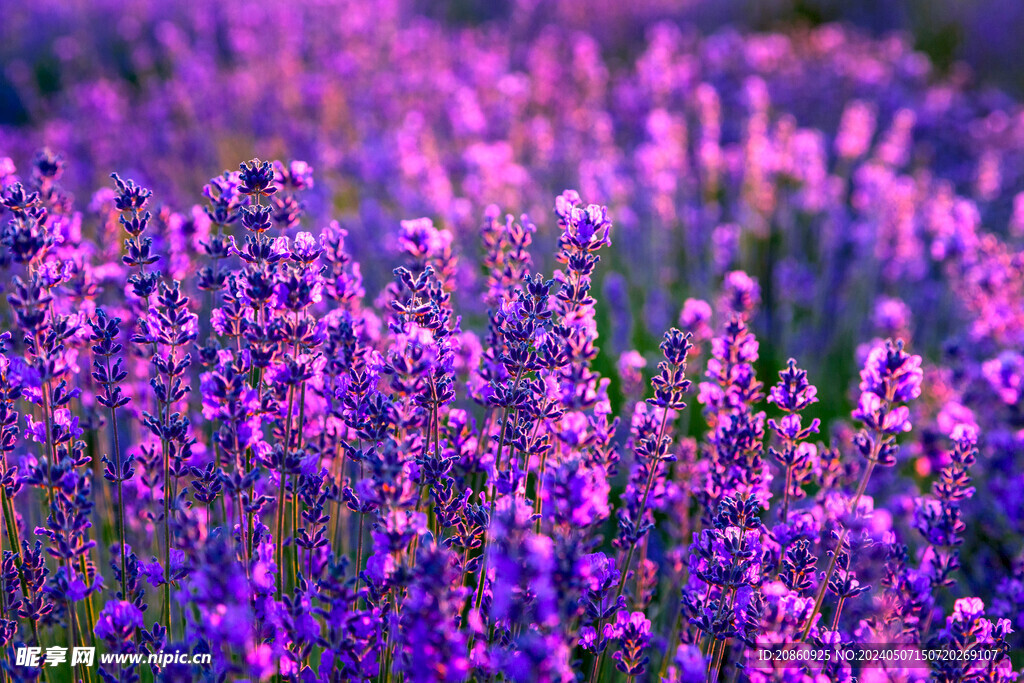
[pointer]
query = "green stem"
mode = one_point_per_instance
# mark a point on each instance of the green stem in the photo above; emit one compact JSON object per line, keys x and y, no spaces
{"x":632,"y":548}
{"x":785,"y":493}
{"x":165,"y":448}
{"x":672,"y":643}
{"x":12,"y":534}
{"x":839,"y":610}
{"x":839,"y":546}
{"x":296,"y":503}
{"x":120,"y":499}
{"x":359,"y":560}
{"x":279,"y":554}
{"x":167,"y":534}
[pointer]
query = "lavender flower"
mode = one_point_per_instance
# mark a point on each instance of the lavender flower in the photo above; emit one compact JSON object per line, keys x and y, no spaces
{"x":367,"y":425}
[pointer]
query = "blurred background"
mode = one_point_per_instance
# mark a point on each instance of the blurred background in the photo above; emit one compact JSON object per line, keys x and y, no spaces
{"x":411,"y":108}
{"x":41,"y":38}
{"x":984,"y":35}
{"x":49,"y":48}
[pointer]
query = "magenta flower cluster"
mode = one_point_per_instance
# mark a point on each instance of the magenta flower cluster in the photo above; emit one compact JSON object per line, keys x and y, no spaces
{"x":413,"y":411}
{"x":257,"y":464}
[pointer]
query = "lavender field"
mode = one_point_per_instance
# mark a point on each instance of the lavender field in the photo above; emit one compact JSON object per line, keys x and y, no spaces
{"x":524,"y":341}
